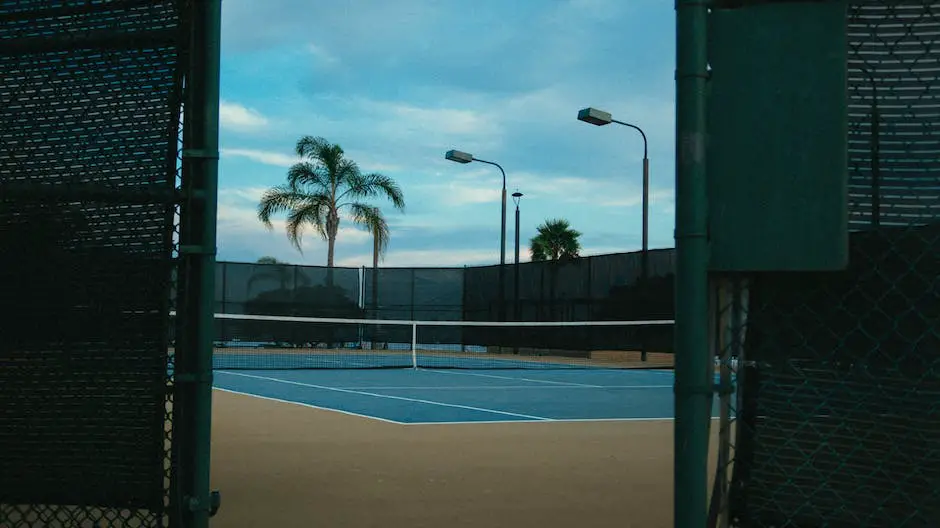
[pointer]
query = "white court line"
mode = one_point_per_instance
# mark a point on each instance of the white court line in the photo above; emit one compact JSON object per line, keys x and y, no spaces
{"x":388,"y":397}
{"x":349,"y":413}
{"x":554,"y":421}
{"x":516,"y":387}
{"x":515,"y":378}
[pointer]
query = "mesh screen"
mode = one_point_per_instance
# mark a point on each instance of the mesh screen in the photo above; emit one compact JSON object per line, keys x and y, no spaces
{"x":278,"y":342}
{"x":839,"y":423}
{"x":89,"y":113}
{"x":596,"y":288}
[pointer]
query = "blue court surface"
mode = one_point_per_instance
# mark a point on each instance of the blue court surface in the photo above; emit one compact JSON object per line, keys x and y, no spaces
{"x":427,"y":396}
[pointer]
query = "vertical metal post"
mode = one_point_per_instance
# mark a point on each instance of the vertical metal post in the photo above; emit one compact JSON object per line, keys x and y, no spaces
{"x":646,"y":215}
{"x":645,"y":264}
{"x":463,"y":308}
{"x":875,"y":160}
{"x":502,"y":229}
{"x":413,"y":273}
{"x":516,"y":278}
{"x":197,"y":252}
{"x":694,"y":376}
{"x":515,"y":284}
{"x":502,"y":258}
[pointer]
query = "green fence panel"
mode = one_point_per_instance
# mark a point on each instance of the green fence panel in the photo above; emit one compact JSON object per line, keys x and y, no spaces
{"x":839,"y":417}
{"x":90,"y":101}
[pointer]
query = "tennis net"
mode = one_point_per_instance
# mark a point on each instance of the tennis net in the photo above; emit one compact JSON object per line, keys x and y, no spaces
{"x":282,"y":342}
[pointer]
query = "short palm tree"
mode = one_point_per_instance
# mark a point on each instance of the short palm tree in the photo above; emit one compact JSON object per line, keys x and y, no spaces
{"x":556,"y":240}
{"x":321,"y":187}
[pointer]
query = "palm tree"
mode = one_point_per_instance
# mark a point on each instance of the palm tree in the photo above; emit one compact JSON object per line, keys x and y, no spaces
{"x":556,"y":240}
{"x":322,"y":186}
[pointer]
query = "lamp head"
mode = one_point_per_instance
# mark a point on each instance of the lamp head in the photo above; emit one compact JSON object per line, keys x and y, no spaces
{"x":595,"y":116}
{"x":458,"y":156}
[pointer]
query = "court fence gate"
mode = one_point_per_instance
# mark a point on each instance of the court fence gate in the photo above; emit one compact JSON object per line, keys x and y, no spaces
{"x":836,"y":418}
{"x":108,"y":166}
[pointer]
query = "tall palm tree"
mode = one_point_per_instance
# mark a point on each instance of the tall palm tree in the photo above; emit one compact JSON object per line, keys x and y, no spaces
{"x":556,"y":240}
{"x":322,"y":186}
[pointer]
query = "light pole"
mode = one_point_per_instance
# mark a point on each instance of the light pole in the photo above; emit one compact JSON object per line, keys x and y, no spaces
{"x":601,"y":118}
{"x":465,"y":157}
{"x":516,"y":197}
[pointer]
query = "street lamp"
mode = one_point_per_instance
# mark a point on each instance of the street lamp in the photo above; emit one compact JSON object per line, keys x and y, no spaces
{"x":600,"y":118}
{"x":516,"y":197}
{"x":465,"y":157}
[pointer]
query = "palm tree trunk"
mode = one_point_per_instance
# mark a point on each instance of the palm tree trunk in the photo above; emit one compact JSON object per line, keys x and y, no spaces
{"x":375,"y":252}
{"x":332,"y":228}
{"x":331,"y":245}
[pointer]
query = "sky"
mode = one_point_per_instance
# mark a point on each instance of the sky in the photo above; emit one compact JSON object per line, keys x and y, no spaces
{"x":399,"y":83}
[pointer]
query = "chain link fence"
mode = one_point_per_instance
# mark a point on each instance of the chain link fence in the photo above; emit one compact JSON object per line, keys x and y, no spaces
{"x":91,"y":97}
{"x":837,"y":417}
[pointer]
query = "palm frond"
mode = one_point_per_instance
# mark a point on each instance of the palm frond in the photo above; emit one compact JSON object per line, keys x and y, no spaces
{"x":374,"y":185}
{"x":308,"y":174}
{"x":278,"y":199}
{"x":313,"y":148}
{"x":537,"y":249}
{"x":371,"y":218}
{"x":313,"y":212}
{"x":556,"y":240}
{"x":346,"y":171}
{"x":329,"y":158}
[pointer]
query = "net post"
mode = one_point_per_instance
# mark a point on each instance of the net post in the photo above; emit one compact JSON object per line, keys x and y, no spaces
{"x":414,"y":345}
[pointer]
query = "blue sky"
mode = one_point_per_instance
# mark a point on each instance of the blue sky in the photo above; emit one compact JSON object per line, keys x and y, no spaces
{"x":398,"y":83}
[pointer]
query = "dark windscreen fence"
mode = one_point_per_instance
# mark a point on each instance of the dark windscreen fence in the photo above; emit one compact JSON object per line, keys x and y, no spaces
{"x":596,"y":288}
{"x":286,"y":290}
{"x":90,"y":102}
{"x":425,"y":294}
{"x":839,"y":423}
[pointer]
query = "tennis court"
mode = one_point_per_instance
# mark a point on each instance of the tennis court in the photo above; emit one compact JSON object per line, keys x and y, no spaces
{"x":444,"y":447}
{"x":430,"y":396}
{"x":362,"y":423}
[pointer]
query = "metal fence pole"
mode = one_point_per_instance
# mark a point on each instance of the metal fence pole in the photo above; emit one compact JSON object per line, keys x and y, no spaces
{"x":693,"y":387}
{"x":200,"y":165}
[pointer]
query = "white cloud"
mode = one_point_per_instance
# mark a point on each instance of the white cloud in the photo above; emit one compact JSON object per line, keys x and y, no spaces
{"x":450,"y":257}
{"x":478,"y":189}
{"x":658,"y":196}
{"x":322,"y":56}
{"x":267,"y":157}
{"x":283,"y":160}
{"x":240,"y":118}
{"x":423,"y":258}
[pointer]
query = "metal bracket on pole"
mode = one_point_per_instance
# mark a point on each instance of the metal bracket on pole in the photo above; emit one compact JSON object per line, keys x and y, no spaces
{"x":192,"y":153}
{"x":215,"y":501}
{"x":195,"y":249}
{"x":191,"y":377}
